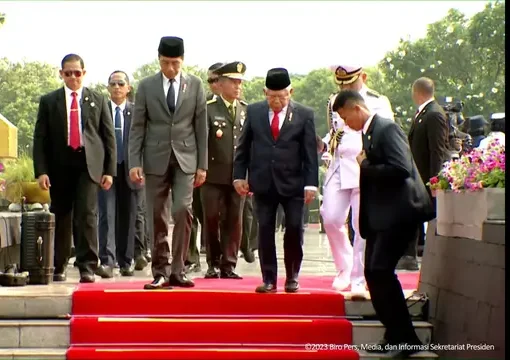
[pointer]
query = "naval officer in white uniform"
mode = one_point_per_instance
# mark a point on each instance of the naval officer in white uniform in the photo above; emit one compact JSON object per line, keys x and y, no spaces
{"x":341,"y":184}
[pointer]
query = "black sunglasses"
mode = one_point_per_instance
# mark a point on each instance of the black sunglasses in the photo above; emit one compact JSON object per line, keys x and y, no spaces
{"x":212,"y":81}
{"x":76,"y":73}
{"x":120,"y":83}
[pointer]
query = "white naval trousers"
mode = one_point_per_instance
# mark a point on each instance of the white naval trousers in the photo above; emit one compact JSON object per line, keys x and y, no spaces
{"x":349,"y":259}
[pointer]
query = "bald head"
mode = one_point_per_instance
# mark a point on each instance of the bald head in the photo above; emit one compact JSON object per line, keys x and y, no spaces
{"x":423,"y":90}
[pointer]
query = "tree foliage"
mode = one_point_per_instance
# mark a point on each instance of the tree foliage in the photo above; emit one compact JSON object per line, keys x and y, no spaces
{"x":465,"y":57}
{"x":21,"y":86}
{"x":2,"y":19}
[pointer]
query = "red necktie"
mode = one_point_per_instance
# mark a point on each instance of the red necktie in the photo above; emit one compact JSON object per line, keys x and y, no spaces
{"x":74,"y":124}
{"x":275,"y":125}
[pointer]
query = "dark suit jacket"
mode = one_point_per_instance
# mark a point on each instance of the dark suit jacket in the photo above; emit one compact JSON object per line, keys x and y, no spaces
{"x":428,"y":139}
{"x":290,"y":163}
{"x":128,"y":114}
{"x":51,"y":139}
{"x":392,"y":192}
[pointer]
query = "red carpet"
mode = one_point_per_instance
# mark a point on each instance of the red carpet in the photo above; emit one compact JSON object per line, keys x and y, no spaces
{"x":218,"y":319}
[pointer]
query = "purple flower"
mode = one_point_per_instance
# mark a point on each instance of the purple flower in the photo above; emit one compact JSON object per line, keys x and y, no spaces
{"x":2,"y":168}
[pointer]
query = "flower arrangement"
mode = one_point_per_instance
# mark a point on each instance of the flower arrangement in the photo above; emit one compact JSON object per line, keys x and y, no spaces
{"x":475,"y":170}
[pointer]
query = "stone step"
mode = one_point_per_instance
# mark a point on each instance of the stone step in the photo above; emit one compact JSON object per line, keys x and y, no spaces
{"x":33,"y":354}
{"x":372,"y":331}
{"x":32,"y":334}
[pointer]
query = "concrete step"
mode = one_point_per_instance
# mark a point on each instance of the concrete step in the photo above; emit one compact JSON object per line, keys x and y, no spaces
{"x":371,"y":331}
{"x":36,"y":302}
{"x":31,"y":334}
{"x":33,"y":354}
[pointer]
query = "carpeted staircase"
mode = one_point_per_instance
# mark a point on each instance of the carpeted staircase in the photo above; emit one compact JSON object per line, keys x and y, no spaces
{"x":218,"y":319}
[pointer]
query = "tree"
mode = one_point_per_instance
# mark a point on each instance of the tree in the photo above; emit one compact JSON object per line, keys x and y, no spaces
{"x":464,"y":57}
{"x":21,"y":86}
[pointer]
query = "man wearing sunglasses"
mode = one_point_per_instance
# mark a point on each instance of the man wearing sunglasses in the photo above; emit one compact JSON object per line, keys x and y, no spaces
{"x":168,"y":137}
{"x":74,"y":152}
{"x":118,"y":205}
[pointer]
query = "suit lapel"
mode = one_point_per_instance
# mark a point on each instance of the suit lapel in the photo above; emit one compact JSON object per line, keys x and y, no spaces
{"x":161,"y":92}
{"x":266,"y":121}
{"x":288,"y":118}
{"x":127,"y":123}
{"x":367,"y":138}
{"x":62,"y":109}
{"x":418,"y":119}
{"x":86,"y":103}
{"x":182,"y":91}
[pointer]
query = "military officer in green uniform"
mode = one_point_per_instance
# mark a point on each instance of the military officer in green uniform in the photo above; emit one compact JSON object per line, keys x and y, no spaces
{"x":193,"y":257}
{"x":220,"y":201}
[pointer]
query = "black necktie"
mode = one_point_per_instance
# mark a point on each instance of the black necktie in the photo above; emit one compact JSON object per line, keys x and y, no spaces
{"x":170,"y":97}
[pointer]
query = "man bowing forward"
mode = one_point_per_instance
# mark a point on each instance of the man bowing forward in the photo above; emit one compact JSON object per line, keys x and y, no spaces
{"x":278,"y":149}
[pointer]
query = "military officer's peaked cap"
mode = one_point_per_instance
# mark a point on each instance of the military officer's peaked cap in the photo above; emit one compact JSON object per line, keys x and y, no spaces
{"x":346,"y":74}
{"x":232,"y":70}
{"x":171,"y":46}
{"x":277,"y":79}
{"x":477,"y":122}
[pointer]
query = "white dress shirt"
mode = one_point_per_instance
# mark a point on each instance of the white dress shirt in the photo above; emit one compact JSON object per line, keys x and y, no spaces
{"x":69,"y":100}
{"x":176,"y":84}
{"x":422,"y":106}
{"x":122,"y":108}
{"x":367,"y":124}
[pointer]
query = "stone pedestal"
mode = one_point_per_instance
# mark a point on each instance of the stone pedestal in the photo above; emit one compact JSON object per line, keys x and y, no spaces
{"x":465,"y":281}
{"x":463,"y":214}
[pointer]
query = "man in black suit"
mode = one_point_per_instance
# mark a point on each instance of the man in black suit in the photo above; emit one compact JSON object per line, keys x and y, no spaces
{"x":428,"y":139}
{"x":118,"y":205}
{"x":278,"y":149}
{"x":74,"y":152}
{"x":393,"y":201}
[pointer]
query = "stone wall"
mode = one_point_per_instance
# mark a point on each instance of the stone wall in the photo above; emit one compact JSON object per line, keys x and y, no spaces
{"x":465,"y":281}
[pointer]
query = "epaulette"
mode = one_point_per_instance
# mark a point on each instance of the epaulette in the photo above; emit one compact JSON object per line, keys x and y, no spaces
{"x":243,"y":102}
{"x":373,"y":93}
{"x":212,"y":101}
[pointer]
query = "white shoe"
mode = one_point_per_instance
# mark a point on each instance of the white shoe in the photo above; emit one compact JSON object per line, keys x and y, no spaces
{"x":358,"y":290}
{"x":341,"y":283}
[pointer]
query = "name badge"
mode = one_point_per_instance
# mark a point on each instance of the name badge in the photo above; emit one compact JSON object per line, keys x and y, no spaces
{"x":219,"y":118}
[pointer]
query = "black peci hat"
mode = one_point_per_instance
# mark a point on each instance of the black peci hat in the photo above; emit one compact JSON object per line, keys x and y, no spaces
{"x":171,"y":46}
{"x":277,"y":79}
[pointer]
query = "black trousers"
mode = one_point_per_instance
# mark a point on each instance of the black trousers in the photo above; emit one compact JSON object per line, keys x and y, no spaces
{"x":193,"y":256}
{"x":223,"y":208}
{"x":266,"y":206}
{"x":249,"y":238}
{"x":383,"y":250}
{"x":74,"y":202}
{"x":117,"y":220}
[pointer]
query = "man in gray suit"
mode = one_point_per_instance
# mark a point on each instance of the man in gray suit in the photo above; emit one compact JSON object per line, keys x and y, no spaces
{"x":169,"y":137}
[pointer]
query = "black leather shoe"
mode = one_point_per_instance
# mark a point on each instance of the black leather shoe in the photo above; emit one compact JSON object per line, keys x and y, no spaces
{"x":59,"y":275}
{"x":106,"y":272}
{"x":180,"y":280}
{"x":192,"y":268}
{"x":230,"y":275}
{"x":159,"y":282}
{"x":140,"y":263}
{"x":266,"y":288}
{"x":127,"y":271}
{"x":87,"y":278}
{"x":148,"y":256}
{"x":248,"y":256}
{"x":291,"y":286}
{"x":212,"y":274}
